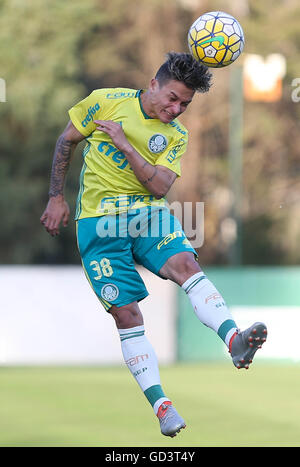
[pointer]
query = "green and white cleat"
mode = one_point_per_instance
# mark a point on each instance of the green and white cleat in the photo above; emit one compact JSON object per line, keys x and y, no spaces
{"x":170,"y":421}
{"x":244,"y":344}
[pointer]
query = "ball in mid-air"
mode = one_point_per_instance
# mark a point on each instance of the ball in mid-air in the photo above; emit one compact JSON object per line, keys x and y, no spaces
{"x":216,"y":39}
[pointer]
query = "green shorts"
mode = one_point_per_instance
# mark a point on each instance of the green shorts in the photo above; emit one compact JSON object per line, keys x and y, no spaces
{"x":111,"y":245}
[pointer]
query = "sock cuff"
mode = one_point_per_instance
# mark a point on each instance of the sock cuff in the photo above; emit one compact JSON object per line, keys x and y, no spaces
{"x":227,"y":326}
{"x":188,"y":285}
{"x":137,"y":331}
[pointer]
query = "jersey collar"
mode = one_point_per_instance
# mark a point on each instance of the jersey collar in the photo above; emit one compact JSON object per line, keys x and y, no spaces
{"x":138,"y":94}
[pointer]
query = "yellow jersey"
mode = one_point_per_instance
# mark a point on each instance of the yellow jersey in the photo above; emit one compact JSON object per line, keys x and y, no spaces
{"x":108,"y":184}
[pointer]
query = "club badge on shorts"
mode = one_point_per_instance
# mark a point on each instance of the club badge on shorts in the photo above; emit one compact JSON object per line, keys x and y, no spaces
{"x":109,"y":292}
{"x":157,"y":143}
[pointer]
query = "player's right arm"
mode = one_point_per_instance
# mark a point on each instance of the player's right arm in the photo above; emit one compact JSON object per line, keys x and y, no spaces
{"x":57,"y":209}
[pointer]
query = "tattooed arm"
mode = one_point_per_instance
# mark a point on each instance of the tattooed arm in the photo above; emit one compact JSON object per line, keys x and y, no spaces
{"x":57,"y":209}
{"x":156,"y":178}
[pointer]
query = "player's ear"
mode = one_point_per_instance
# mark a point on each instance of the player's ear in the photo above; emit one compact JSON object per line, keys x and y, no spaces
{"x":154,"y":84}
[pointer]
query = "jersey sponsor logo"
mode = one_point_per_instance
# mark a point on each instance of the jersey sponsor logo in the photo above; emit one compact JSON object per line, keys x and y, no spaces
{"x":169,"y":238}
{"x":157,"y":143}
{"x":111,"y":151}
{"x":110,"y":292}
{"x":89,"y":116}
{"x":125,"y":201}
{"x":118,"y":95}
{"x":178,"y":128}
{"x":171,"y":156}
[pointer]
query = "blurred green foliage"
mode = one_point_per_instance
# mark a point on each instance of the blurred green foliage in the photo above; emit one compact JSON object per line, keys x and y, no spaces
{"x":53,"y":53}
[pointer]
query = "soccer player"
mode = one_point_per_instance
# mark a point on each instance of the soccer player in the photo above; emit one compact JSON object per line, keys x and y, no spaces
{"x":134,"y":144}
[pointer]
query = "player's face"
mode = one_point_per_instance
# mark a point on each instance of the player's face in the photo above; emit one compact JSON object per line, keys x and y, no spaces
{"x":169,"y":100}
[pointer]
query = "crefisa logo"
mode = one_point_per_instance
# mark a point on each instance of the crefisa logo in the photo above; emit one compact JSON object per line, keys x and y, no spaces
{"x":89,"y":116}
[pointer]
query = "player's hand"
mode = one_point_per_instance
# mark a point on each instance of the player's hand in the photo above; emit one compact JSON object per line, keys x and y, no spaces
{"x":57,"y":211}
{"x":115,"y":131}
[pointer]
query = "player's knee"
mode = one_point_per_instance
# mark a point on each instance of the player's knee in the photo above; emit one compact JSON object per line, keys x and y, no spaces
{"x":188,"y":265}
{"x":127,"y":316}
{"x":180,"y":267}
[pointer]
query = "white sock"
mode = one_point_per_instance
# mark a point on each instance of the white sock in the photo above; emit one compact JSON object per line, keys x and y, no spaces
{"x":210,"y":306}
{"x":141,"y":360}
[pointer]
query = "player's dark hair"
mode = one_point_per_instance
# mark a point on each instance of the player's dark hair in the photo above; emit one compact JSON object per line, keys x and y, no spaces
{"x":185,"y":68}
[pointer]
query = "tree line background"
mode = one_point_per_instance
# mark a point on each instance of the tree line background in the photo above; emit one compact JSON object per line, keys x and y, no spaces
{"x":53,"y":53}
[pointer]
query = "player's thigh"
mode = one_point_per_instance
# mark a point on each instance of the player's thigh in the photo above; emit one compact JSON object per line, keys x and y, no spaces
{"x":165,"y":239}
{"x":109,"y":265}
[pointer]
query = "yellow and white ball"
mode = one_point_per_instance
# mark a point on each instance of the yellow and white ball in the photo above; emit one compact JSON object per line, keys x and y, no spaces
{"x":216,"y":39}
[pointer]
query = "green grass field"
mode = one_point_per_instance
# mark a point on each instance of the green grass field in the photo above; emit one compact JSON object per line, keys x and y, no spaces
{"x":103,"y":406}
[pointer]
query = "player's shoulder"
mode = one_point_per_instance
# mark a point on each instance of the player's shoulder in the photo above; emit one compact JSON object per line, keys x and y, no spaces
{"x":115,"y":93}
{"x":178,"y":128}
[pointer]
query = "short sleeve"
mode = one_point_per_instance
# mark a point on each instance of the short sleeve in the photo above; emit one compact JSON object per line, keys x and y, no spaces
{"x":172,"y":156}
{"x":87,"y":110}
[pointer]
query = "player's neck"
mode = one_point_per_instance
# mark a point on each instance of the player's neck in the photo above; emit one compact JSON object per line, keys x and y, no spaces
{"x":146,"y":103}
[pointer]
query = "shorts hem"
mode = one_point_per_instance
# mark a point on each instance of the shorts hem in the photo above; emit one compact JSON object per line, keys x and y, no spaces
{"x":126,"y":302}
{"x":163,"y":262}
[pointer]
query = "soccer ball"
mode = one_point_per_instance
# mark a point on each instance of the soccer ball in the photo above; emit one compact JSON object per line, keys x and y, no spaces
{"x":216,"y":39}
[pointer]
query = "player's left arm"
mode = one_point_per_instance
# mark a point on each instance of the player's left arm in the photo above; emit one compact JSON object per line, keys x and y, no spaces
{"x":156,"y":178}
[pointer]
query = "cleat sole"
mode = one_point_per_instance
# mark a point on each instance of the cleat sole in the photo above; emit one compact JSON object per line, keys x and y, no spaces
{"x":178,"y":431}
{"x":249,"y":342}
